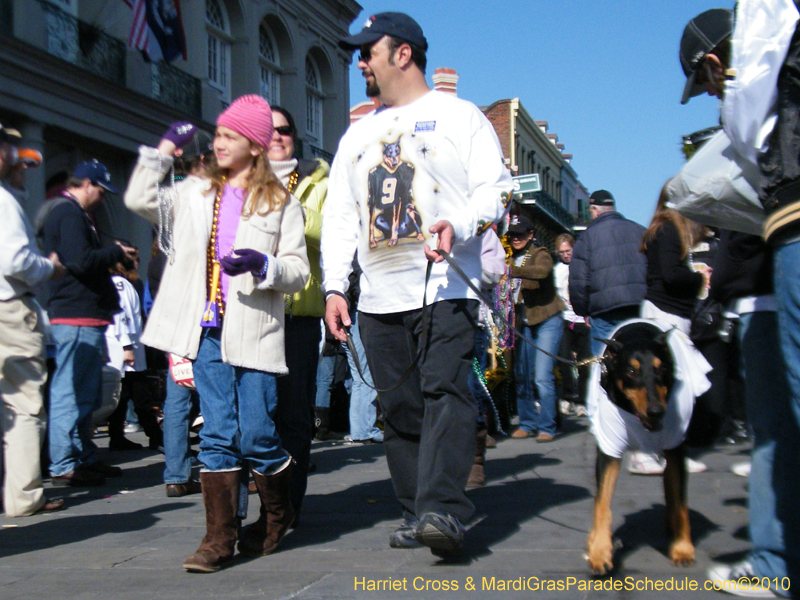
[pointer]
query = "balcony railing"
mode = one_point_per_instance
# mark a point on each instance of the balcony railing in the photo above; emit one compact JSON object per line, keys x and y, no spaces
{"x":550,"y":207}
{"x":320,"y":153}
{"x":83,"y":44}
{"x":177,"y":89}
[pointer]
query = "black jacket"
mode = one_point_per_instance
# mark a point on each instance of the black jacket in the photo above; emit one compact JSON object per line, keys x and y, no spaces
{"x":780,"y":164}
{"x":86,"y":291}
{"x":742,"y":267}
{"x":607,"y":271}
{"x":672,"y":285}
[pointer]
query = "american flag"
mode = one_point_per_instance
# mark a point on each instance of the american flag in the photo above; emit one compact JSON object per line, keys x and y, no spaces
{"x":139,"y":35}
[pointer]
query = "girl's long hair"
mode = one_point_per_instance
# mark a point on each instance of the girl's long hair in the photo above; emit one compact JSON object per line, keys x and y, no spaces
{"x":685,"y":228}
{"x":265,"y":192}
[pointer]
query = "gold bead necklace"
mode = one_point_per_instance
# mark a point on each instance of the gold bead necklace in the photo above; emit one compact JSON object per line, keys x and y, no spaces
{"x":212,"y":258}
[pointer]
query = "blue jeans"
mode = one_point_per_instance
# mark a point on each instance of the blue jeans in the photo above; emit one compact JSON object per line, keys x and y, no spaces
{"x":238,"y":407}
{"x":76,"y":391}
{"x":363,"y":399}
{"x":536,"y":368}
{"x":325,"y":371}
{"x":774,"y":486}
{"x":787,"y":294}
{"x":177,"y":406}
{"x":603,"y":325}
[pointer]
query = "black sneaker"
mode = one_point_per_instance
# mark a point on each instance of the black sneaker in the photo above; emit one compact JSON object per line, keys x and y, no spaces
{"x":442,"y":533}
{"x":80,"y":477}
{"x":103,"y":469}
{"x":405,"y":536}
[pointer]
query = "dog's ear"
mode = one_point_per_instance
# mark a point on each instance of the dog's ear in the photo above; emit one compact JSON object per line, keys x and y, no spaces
{"x":613,"y":347}
{"x":661,"y":338}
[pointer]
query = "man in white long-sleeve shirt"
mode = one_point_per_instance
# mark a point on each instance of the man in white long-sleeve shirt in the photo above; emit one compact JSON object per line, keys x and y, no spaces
{"x":22,"y":356}
{"x":423,"y":171}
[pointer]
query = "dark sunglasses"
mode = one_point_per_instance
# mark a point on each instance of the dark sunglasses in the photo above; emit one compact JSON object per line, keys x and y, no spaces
{"x":284,"y":130}
{"x":366,"y":53}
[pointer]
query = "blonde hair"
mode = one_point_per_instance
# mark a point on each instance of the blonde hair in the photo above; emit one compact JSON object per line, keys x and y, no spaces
{"x":265,"y":192}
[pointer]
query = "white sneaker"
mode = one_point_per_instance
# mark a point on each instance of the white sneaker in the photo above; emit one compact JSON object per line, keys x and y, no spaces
{"x":742,"y":469}
{"x":695,"y":466}
{"x":644,"y":463}
{"x":740,"y":579}
{"x":133,"y":428}
{"x":580,"y":410}
{"x":566,"y":407}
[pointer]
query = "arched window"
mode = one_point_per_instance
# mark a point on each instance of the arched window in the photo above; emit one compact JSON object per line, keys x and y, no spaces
{"x":314,"y":98}
{"x":219,"y":49}
{"x":269,"y":65}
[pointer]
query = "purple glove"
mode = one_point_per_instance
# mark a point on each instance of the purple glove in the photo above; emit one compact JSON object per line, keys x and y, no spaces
{"x":247,"y":260}
{"x":180,"y":133}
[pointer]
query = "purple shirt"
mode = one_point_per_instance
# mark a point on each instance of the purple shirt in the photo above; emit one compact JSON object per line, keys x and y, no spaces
{"x":230,"y":213}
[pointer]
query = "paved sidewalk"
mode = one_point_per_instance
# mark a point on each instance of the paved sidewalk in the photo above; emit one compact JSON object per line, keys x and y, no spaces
{"x":128,"y":540}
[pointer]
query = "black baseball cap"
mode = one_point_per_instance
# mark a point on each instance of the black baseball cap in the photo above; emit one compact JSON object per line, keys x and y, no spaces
{"x":520,"y":224}
{"x":398,"y":25}
{"x":700,"y":36}
{"x":601,"y":198}
{"x":96,"y":172}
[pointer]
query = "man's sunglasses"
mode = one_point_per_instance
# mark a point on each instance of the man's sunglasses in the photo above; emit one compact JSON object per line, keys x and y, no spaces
{"x":284,"y":130}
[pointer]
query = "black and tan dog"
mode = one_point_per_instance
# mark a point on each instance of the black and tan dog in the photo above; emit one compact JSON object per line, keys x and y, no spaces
{"x":638,"y":374}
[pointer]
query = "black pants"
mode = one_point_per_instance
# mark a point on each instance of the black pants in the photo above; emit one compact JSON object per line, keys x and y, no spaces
{"x":429,"y":434}
{"x":297,"y":391}
{"x":136,"y":387}
{"x":575,"y":343}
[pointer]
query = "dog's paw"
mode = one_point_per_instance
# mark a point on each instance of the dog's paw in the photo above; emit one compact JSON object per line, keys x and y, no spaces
{"x":600,"y":554}
{"x":682,"y":553}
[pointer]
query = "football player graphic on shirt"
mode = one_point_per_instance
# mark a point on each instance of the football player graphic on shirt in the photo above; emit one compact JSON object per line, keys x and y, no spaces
{"x":391,"y":200}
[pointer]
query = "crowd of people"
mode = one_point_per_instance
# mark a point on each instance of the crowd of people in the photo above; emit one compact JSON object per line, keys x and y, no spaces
{"x":256,"y":247}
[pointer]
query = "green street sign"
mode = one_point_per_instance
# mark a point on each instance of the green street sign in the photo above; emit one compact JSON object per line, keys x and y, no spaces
{"x":527,"y":183}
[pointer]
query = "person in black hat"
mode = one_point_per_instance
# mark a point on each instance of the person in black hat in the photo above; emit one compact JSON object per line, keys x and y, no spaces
{"x":760,"y":113}
{"x":705,"y":52}
{"x":80,"y":305}
{"x":608,"y":274}
{"x":539,"y":315}
{"x":429,"y":166}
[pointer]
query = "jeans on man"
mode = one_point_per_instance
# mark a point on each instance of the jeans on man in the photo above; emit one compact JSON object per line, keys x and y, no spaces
{"x":76,"y":391}
{"x":177,"y":407}
{"x":535,"y":368}
{"x":363,"y":399}
{"x":774,"y":485}
{"x":605,"y":323}
{"x":238,"y":407}
{"x":430,"y":419}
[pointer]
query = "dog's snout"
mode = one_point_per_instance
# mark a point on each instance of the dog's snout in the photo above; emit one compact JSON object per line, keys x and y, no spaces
{"x":655,"y":411}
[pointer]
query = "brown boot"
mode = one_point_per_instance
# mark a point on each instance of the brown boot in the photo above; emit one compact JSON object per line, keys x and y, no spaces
{"x":263,"y":536}
{"x":221,"y":498}
{"x":476,"y":475}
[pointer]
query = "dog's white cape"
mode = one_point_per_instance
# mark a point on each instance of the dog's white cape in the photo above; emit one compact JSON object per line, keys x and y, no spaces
{"x":617,"y":430}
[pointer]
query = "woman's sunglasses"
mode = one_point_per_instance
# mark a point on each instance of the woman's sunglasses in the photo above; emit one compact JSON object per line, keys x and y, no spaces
{"x":284,"y":130}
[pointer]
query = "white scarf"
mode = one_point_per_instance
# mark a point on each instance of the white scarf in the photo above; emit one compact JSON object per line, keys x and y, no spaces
{"x":283,"y":169}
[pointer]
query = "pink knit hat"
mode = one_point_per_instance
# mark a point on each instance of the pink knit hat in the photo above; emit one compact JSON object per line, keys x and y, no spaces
{"x":251,"y":117}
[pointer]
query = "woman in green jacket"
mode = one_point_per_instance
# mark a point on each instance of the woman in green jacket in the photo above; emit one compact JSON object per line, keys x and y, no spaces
{"x":308,"y":182}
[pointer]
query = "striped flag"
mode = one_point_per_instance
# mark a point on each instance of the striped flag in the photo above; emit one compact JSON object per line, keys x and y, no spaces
{"x":139,"y":35}
{"x":157,"y":29}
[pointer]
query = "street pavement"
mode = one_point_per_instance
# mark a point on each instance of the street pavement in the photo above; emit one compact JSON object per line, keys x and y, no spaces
{"x":127,"y":540}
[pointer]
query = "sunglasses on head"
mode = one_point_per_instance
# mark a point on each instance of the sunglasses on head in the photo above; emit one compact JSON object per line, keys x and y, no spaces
{"x":284,"y":130}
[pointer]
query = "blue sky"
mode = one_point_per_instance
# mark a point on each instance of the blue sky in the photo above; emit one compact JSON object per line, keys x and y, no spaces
{"x":605,"y":75}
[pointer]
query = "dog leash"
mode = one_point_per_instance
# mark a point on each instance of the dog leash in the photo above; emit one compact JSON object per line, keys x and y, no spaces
{"x":425,"y":322}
